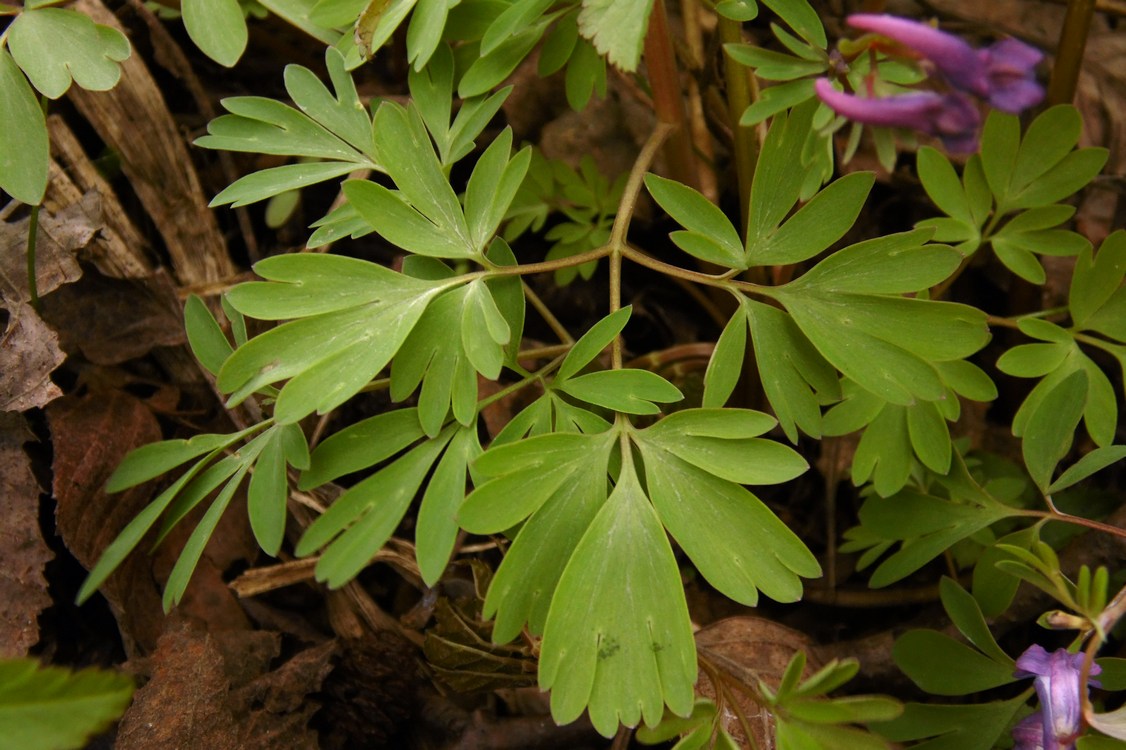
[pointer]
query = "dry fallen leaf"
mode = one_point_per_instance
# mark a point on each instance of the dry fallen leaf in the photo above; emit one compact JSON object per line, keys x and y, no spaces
{"x":111,"y":321}
{"x":59,"y":239}
{"x":23,"y":553}
{"x":90,"y":435}
{"x":747,"y":649}
{"x":214,"y":691}
{"x":29,"y":353}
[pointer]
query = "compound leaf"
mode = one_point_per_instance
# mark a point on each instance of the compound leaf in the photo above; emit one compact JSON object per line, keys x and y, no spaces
{"x":618,"y":640}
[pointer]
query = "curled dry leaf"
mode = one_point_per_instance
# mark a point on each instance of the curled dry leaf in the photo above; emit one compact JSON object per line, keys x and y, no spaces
{"x":748,"y":649}
{"x":23,"y":553}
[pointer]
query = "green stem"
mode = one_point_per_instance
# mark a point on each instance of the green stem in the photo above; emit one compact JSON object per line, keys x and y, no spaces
{"x":1069,"y":53}
{"x":32,"y":233}
{"x":745,"y":146}
{"x":548,"y":316}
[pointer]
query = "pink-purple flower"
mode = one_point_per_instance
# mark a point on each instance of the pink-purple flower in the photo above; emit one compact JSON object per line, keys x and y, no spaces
{"x":1002,"y":74}
{"x":1057,"y":725}
{"x":951,"y":117}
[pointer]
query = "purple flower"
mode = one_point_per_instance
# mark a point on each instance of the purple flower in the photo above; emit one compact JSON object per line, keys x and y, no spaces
{"x":1057,"y":685}
{"x":951,"y":117}
{"x":1003,"y":73}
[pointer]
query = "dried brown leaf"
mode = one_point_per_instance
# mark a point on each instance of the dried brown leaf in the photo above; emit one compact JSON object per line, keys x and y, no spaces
{"x":112,"y":321}
{"x":29,"y":353}
{"x":58,"y":241}
{"x":23,"y":553}
{"x":748,"y":649}
{"x":90,"y":435}
{"x":214,"y":691}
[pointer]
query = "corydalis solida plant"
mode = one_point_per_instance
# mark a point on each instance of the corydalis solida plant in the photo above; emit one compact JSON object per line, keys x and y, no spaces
{"x":599,"y":477}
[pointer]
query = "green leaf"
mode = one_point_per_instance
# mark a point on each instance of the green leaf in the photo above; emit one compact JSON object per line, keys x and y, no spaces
{"x":968,"y":618}
{"x":1000,"y":141}
{"x":152,"y":460}
{"x":777,"y":99}
{"x":54,"y":46}
{"x":771,"y":65}
{"x":524,"y":585}
{"x":50,"y":708}
{"x":1033,"y":360}
{"x":264,"y":126}
{"x":342,"y":114}
{"x":328,"y":357}
{"x":361,"y":520}
{"x":402,"y":225}
{"x":616,"y":28}
{"x":1093,"y":462}
{"x":445,"y":364}
{"x":736,"y":457}
{"x":425,"y":31}
{"x":794,"y":375}
{"x":514,"y":18}
{"x":437,"y":527}
{"x":217,"y":27}
{"x":817,"y":225}
{"x":1095,"y":281}
{"x":943,"y":186}
{"x":1075,"y":170}
{"x":618,"y":638}
{"x":931,"y":525}
{"x":884,"y":452}
{"x":1049,"y":432}
{"x":492,"y":186}
{"x":710,"y":234}
{"x":776,"y":184}
{"x":377,"y":22}
{"x":893,"y":264}
{"x":948,"y":727}
{"x":732,"y":537}
{"x":307,"y":284}
{"x":802,"y":18}
{"x":206,"y":338}
{"x":1050,"y":137}
{"x":185,"y":565}
{"x":628,"y":391}
{"x":484,"y":331}
{"x":361,"y":445}
{"x":407,"y":154}
{"x":490,"y":70}
{"x":726,"y":364}
{"x":854,"y":331}
{"x":591,"y":344}
{"x":993,"y":588}
{"x":135,"y":530}
{"x":267,"y":183}
{"x":268,"y":491}
{"x":24,"y":147}
{"x":525,"y":474}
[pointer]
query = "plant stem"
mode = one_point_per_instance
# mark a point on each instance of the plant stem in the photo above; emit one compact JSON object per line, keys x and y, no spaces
{"x":664,"y":81}
{"x":548,"y":316}
{"x":1055,"y":515}
{"x":1069,"y":53}
{"x":32,"y":233}
{"x":745,"y":146}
